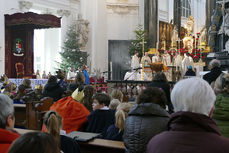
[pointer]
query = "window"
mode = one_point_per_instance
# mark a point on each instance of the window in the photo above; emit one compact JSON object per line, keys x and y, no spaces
{"x":186,"y":8}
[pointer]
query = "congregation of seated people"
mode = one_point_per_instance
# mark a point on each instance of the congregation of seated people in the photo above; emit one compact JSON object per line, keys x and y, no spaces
{"x":190,"y":117}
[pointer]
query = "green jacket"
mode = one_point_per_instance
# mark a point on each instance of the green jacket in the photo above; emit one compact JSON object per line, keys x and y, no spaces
{"x":221,"y":113}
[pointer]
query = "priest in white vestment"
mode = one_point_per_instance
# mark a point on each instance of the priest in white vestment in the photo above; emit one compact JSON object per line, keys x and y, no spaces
{"x":135,"y":61}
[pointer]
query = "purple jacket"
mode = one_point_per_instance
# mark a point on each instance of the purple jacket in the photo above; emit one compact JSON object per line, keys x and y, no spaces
{"x":189,"y":133}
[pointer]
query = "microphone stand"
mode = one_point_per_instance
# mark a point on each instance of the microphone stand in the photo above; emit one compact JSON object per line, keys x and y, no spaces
{"x":135,"y":70}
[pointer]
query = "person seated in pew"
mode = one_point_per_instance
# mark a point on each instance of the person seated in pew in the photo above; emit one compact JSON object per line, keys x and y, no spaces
{"x":35,"y":142}
{"x":7,"y":120}
{"x":191,"y":128}
{"x":115,"y":131}
{"x":88,"y":94}
{"x":73,"y":112}
{"x":114,"y":104}
{"x":145,"y":120}
{"x":53,"y":89}
{"x":101,"y":117}
{"x":117,"y":94}
{"x":27,"y":84}
{"x":20,"y":93}
{"x":53,"y":125}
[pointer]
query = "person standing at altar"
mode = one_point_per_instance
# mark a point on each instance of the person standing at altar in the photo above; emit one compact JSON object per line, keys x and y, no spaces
{"x":38,"y":76}
{"x":44,"y":76}
{"x":71,"y":74}
{"x":86,"y":75}
{"x":187,"y":61}
{"x":155,"y":58}
{"x":135,"y":61}
{"x":166,"y":58}
{"x":146,"y":60}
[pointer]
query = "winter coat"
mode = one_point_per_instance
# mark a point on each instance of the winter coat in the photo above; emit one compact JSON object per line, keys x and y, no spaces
{"x":114,"y":133}
{"x":53,"y":90}
{"x":6,"y":139}
{"x":221,"y":113}
{"x":189,"y":133}
{"x":99,"y":121}
{"x":69,"y":145}
{"x":143,"y":122}
{"x":212,"y":75}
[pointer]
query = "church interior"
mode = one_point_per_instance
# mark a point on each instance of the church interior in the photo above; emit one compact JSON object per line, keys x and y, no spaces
{"x":83,"y":76}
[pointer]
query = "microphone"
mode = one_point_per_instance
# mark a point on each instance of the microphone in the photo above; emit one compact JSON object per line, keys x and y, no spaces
{"x":138,"y":68}
{"x":106,"y":71}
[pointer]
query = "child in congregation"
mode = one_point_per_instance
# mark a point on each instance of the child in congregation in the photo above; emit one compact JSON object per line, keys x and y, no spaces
{"x":101,"y":117}
{"x":53,"y":125}
{"x":117,"y":94}
{"x":115,"y":131}
{"x":35,"y":142}
{"x":114,"y":104}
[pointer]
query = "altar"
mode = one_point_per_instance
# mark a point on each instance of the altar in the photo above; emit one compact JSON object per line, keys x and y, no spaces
{"x":34,"y":82}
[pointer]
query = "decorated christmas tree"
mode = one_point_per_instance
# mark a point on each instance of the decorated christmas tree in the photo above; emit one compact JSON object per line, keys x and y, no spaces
{"x":137,"y":44}
{"x":71,"y":55}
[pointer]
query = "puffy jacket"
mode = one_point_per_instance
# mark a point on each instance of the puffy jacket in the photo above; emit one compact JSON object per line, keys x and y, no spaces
{"x":221,"y":113}
{"x":144,"y":121}
{"x":6,"y":139}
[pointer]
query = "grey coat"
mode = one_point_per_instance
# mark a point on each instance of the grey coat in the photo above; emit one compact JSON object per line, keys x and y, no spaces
{"x":145,"y":120}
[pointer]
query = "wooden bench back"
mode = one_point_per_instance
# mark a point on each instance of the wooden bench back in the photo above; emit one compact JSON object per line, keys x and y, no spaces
{"x":35,"y":112}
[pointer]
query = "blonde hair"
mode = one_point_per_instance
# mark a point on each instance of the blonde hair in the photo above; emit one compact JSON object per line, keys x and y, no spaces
{"x":117,"y":94}
{"x":53,"y":122}
{"x":114,"y":104}
{"x":121,"y":114}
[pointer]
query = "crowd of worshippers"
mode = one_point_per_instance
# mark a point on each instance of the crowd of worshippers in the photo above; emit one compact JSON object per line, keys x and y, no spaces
{"x":191,"y":117}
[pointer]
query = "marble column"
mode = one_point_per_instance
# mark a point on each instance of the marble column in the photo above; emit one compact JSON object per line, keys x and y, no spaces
{"x":151,"y":21}
{"x":177,"y":15}
{"x":209,"y":8}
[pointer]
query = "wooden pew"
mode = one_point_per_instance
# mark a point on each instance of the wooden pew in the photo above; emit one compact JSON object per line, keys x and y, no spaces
{"x":23,"y":131}
{"x":102,"y":146}
{"x":35,"y":112}
{"x":20,"y":115}
{"x":93,"y":146}
{"x":30,"y":115}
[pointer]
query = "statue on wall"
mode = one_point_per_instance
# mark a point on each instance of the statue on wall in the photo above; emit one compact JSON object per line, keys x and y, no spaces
{"x":213,"y":36}
{"x":189,"y":25}
{"x":83,"y":30}
{"x":174,"y":37}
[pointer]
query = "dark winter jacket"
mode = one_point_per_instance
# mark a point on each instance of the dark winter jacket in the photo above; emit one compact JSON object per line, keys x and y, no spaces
{"x":53,"y":90}
{"x":114,"y":133}
{"x":144,"y":121}
{"x":99,"y":121}
{"x":68,"y":145}
{"x":212,"y":75}
{"x":221,"y":113}
{"x":189,"y":133}
{"x":190,"y":72}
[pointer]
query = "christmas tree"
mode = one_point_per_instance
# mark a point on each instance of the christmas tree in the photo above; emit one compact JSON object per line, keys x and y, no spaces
{"x":137,"y":44}
{"x":71,"y":55}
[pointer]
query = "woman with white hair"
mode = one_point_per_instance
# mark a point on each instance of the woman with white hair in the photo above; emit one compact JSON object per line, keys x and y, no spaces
{"x":7,"y":121}
{"x":191,"y":128}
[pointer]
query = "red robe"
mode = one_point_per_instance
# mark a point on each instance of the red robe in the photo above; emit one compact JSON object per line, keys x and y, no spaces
{"x":74,"y":114}
{"x":6,"y":139}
